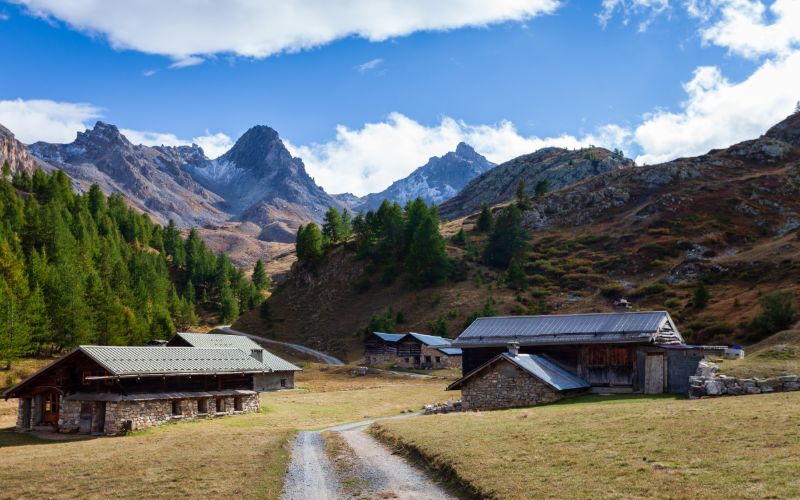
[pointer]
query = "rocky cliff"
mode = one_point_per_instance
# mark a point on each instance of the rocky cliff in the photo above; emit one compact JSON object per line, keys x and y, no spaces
{"x":556,"y":166}
{"x":15,"y":153}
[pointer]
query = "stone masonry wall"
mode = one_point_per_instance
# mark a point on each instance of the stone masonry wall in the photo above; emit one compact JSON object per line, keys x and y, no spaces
{"x":272,"y":381}
{"x":706,"y":382}
{"x":504,"y":385}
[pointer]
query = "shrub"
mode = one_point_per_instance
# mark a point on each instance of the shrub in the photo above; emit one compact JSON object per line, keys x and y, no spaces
{"x":778,"y":312}
{"x":654,"y":289}
{"x":701,"y":296}
{"x":612,"y":290}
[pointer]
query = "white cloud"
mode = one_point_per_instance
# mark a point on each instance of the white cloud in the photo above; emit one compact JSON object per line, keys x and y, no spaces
{"x":46,"y":120}
{"x":369,"y":65}
{"x":214,"y":145}
{"x":743,"y":26}
{"x":630,"y":8}
{"x":369,"y":159}
{"x":718,"y":113}
{"x":186,"y":29}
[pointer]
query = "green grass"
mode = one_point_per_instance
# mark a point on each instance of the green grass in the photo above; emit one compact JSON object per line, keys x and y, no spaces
{"x":777,"y":355}
{"x":619,"y":447}
{"x":235,"y":457}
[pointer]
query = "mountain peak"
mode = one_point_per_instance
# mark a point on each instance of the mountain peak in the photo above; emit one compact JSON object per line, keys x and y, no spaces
{"x":464,"y":149}
{"x":787,"y":131}
{"x":255,"y":146}
{"x":103,"y":135}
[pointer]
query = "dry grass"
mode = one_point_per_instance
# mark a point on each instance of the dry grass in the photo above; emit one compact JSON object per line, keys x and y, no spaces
{"x":739,"y":447}
{"x":777,"y":355}
{"x":242,"y":456}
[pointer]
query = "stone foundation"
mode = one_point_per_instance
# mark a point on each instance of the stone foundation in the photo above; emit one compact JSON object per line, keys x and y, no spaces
{"x":121,"y":416}
{"x":504,"y":385}
{"x":721,"y":385}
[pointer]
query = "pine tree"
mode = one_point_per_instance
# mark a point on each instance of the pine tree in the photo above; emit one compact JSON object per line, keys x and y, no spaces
{"x":701,"y":296}
{"x":260,"y":277}
{"x":523,"y":200}
{"x":485,"y":220}
{"x":347,"y":225}
{"x":309,"y":244}
{"x":460,"y":238}
{"x":508,"y":239}
{"x":6,"y":170}
{"x":516,"y":279}
{"x":797,"y":107}
{"x":229,"y":308}
{"x":427,"y":260}
{"x":542,"y":187}
{"x":332,"y":227}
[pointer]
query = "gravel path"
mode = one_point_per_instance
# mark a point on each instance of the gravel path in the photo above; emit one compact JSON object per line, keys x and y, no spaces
{"x":325,"y":358}
{"x":388,"y":475}
{"x":310,"y":475}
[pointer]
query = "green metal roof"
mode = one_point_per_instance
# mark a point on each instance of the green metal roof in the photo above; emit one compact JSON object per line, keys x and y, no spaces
{"x":171,"y":360}
{"x":244,"y":344}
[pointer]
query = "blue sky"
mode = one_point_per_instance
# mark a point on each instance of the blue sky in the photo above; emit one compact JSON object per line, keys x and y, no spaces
{"x":643,"y":75}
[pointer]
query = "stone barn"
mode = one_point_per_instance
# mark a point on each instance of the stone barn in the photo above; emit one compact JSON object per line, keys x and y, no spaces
{"x":411,"y":350}
{"x":620,"y":352}
{"x":280,"y":376}
{"x":512,"y":379}
{"x":110,"y":390}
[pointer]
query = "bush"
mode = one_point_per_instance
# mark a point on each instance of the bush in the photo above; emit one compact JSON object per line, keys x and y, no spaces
{"x":612,"y":290}
{"x":778,"y":312}
{"x":701,"y":296}
{"x":654,"y":289}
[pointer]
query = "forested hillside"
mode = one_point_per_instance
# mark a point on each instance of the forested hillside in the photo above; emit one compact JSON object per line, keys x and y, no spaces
{"x":87,"y":269}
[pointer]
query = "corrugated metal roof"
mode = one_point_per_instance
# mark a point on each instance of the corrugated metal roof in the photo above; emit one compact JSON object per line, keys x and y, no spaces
{"x":540,"y":367}
{"x":389,"y":337}
{"x":219,"y":341}
{"x":450,"y":351}
{"x":547,"y":371}
{"x":567,"y":328}
{"x":166,"y":360}
{"x":149,"y":396}
{"x":244,"y":344}
{"x":431,"y":340}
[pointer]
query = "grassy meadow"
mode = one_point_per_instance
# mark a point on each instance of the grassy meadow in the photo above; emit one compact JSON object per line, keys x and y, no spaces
{"x":617,"y":447}
{"x":235,"y":457}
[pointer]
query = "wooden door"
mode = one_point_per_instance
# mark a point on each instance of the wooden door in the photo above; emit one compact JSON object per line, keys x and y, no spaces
{"x":654,"y":373}
{"x":85,"y":421}
{"x":51,"y":404}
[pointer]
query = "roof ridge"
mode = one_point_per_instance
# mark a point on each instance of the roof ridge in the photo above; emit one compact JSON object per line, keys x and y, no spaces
{"x":570,"y":314}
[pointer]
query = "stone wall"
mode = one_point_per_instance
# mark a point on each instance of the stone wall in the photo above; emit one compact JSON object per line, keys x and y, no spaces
{"x":721,"y":385}
{"x":504,"y":385}
{"x":445,"y":361}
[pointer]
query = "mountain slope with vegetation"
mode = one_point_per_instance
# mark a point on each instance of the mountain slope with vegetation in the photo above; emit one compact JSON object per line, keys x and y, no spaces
{"x":88,"y":269}
{"x":714,"y":240}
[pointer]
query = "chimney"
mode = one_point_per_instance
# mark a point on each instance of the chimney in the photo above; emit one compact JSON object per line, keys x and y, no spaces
{"x":513,"y":348}
{"x":257,"y":354}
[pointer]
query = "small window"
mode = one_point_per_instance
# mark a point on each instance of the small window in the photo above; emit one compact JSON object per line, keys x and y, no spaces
{"x":407,"y":360}
{"x":176,"y":407}
{"x":438,"y":359}
{"x":237,"y":404}
{"x":220,"y":405}
{"x":427,"y":359}
{"x":283,"y":382}
{"x":202,"y":406}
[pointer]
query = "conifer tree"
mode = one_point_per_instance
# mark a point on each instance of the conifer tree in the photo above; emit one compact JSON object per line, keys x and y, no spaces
{"x":427,"y":261}
{"x":309,"y":243}
{"x":332,"y":227}
{"x":523,"y":200}
{"x":508,"y":239}
{"x":260,"y":277}
{"x":485,"y":220}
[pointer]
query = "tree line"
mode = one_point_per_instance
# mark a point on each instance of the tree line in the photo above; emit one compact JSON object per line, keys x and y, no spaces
{"x":87,"y":269}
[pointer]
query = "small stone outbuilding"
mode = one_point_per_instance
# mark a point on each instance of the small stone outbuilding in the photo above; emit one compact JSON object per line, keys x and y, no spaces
{"x":512,"y":380}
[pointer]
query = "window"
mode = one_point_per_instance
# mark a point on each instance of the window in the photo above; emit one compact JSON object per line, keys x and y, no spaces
{"x":176,"y":407}
{"x":220,"y":405}
{"x":202,"y":406}
{"x":237,"y":404}
{"x":427,"y":359}
{"x":407,"y":360}
{"x":283,"y":382}
{"x":438,"y":359}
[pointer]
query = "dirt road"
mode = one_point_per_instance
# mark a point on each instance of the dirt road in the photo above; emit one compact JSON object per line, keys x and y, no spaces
{"x":325,"y":358}
{"x":382,"y":474}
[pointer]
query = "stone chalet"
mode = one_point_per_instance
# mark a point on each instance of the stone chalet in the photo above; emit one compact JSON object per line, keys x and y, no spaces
{"x":411,"y":350}
{"x":528,"y":360}
{"x":111,"y":390}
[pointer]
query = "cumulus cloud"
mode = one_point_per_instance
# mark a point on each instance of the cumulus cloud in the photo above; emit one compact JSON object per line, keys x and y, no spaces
{"x":718,"y":113}
{"x":214,"y":145}
{"x":368,"y":159}
{"x":750,"y":28}
{"x":187,"y":29}
{"x":46,"y":120}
